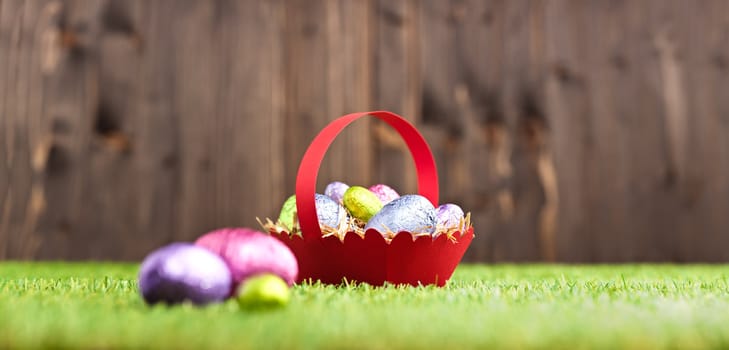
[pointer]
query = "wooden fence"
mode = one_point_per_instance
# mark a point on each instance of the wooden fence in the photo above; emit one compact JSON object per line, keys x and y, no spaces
{"x":576,"y":131}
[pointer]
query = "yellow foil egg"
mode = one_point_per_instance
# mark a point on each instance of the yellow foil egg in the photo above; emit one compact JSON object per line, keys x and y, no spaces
{"x":361,"y":203}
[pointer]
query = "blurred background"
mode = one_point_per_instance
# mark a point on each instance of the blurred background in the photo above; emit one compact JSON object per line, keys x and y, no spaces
{"x":573,"y":131}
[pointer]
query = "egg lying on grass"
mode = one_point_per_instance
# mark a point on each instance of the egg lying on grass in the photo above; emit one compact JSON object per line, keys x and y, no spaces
{"x":248,"y":253}
{"x":182,"y":272}
{"x":263,"y":292}
{"x":410,"y":213}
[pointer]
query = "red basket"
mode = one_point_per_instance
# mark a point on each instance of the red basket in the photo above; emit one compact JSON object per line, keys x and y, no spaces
{"x":404,"y":260}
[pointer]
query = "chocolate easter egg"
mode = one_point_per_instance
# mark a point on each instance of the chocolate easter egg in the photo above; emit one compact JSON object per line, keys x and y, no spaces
{"x":448,"y":216}
{"x":248,"y":252}
{"x":361,"y":203}
{"x":329,"y":212}
{"x":385,"y":193}
{"x":263,"y":291}
{"x":288,"y":213}
{"x":410,"y":213}
{"x":183,"y":272}
{"x":335,"y":191}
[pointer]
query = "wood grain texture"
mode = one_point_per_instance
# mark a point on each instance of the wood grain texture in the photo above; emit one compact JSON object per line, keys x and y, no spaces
{"x":327,"y":75}
{"x":397,"y":87}
{"x":573,"y":131}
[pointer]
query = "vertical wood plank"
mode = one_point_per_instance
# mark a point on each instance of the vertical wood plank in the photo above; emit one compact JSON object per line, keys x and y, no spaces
{"x":703,"y":182}
{"x":448,"y":117}
{"x":496,"y":119}
{"x":482,"y":145}
{"x":567,"y":105}
{"x":44,"y":92}
{"x":461,"y":98}
{"x":17,"y":22}
{"x":195,"y":100}
{"x":76,"y":224}
{"x":349,"y":89}
{"x":142,"y":33}
{"x":134,"y":159}
{"x":306,"y":81}
{"x":525,"y":120}
{"x":328,"y":75}
{"x":651,"y":197}
{"x":251,"y":181}
{"x":230,"y":106}
{"x":397,"y":87}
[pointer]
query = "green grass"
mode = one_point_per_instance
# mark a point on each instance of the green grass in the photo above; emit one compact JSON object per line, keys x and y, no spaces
{"x":98,"y":306}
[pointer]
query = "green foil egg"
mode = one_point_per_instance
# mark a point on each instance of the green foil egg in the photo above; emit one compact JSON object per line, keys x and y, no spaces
{"x":361,"y":203}
{"x":288,"y":212}
{"x":263,"y":292}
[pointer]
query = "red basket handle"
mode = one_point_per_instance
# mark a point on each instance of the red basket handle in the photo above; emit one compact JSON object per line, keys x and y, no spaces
{"x":310,"y":163}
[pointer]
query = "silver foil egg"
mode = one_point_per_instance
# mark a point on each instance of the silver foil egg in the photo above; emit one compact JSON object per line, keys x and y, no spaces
{"x":410,"y":213}
{"x":329,"y":212}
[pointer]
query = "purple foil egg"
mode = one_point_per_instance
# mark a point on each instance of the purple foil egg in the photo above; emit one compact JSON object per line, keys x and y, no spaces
{"x":335,"y":191}
{"x":385,"y":193}
{"x":248,"y":252}
{"x":183,"y":272}
{"x":410,"y":213}
{"x":449,"y":216}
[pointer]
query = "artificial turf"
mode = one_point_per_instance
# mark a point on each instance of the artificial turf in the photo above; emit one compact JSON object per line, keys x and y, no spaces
{"x":96,"y":305}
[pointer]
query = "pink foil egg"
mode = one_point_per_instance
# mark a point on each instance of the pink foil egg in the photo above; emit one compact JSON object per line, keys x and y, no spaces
{"x":385,"y":193}
{"x":248,"y":252}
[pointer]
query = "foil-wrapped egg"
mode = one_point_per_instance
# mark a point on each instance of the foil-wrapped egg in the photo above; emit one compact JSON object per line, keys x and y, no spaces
{"x":183,"y":272}
{"x":449,"y":216}
{"x":248,"y":252}
{"x":288,"y":213}
{"x":335,"y":191}
{"x":263,"y":292}
{"x":385,"y":193}
{"x":329,"y":212}
{"x":410,"y":213}
{"x":361,"y":203}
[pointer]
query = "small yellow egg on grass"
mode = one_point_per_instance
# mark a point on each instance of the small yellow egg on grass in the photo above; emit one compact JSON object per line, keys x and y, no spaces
{"x":265,"y":291}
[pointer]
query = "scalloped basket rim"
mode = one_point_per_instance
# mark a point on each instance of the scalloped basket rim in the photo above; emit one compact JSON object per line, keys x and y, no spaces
{"x":372,"y":259}
{"x":372,"y":231}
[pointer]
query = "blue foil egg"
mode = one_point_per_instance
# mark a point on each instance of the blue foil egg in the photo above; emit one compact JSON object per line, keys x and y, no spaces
{"x":184,"y":272}
{"x":410,"y":213}
{"x":335,"y":191}
{"x":449,"y":216}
